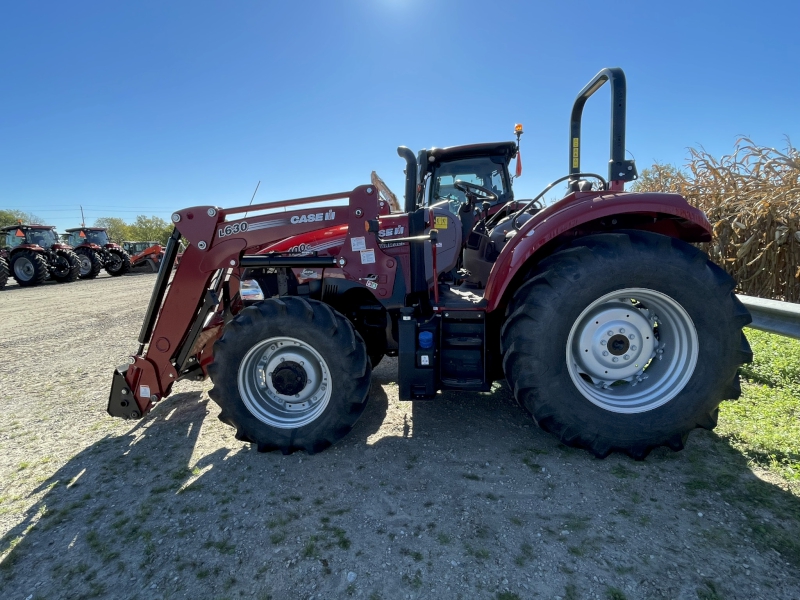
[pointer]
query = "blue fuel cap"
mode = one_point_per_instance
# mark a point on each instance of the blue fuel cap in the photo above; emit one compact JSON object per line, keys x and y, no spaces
{"x":426,"y":339}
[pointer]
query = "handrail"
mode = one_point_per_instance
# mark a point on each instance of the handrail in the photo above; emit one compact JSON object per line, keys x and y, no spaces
{"x":619,"y":169}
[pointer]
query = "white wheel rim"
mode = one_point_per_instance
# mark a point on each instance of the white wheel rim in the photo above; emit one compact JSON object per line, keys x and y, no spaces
{"x":632,"y":350}
{"x":24,"y":269}
{"x":86,"y":264}
{"x":259,"y":381}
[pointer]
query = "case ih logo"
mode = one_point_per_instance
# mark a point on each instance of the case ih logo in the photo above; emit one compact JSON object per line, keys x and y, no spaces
{"x":313,"y":217}
{"x":391,"y":231}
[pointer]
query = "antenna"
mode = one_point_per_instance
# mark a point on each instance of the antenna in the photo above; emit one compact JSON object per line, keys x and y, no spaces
{"x":83,"y":219}
{"x":253,"y":198}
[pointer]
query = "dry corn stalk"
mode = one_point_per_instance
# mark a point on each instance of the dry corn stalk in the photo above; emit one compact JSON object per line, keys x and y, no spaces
{"x":752,"y":199}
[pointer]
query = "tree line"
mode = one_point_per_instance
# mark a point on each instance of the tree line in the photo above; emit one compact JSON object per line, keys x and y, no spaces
{"x":143,"y":228}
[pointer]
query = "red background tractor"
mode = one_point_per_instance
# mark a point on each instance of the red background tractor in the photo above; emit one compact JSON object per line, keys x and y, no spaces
{"x":95,"y":251}
{"x":34,"y":254}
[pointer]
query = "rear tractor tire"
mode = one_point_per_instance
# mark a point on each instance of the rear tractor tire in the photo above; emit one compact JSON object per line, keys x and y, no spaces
{"x":29,"y":268}
{"x":67,"y":267}
{"x":3,"y":273}
{"x":290,"y":374}
{"x":119,"y":263}
{"x":625,"y":342}
{"x":90,"y":263}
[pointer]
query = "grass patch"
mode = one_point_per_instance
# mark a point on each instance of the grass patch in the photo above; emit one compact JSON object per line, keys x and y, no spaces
{"x":708,"y":591}
{"x":532,"y":465}
{"x":613,"y":593}
{"x":623,"y":472}
{"x":415,"y":580}
{"x":223,"y":546}
{"x":764,"y":424}
{"x":417,"y":556}
{"x":525,"y":554}
{"x":479,"y":553}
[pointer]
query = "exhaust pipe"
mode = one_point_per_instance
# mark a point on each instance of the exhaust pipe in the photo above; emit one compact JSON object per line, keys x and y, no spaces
{"x":411,"y":177}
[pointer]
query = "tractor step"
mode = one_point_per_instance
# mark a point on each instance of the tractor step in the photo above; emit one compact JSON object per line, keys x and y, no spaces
{"x":462,"y":360}
{"x":445,"y":352}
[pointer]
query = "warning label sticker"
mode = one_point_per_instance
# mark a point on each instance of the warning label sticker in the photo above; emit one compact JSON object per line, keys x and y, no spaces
{"x":357,"y":244}
{"x":367,"y":257}
{"x":440,"y":223}
{"x":144,"y":391}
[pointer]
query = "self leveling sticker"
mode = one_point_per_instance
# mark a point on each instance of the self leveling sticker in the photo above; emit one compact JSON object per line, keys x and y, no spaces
{"x":576,"y":153}
{"x":367,"y":257}
{"x":357,"y":244}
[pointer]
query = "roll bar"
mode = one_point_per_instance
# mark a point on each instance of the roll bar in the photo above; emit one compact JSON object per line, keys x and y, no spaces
{"x":619,"y":169}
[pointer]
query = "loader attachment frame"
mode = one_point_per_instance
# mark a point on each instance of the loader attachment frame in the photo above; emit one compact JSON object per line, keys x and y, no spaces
{"x":219,"y":240}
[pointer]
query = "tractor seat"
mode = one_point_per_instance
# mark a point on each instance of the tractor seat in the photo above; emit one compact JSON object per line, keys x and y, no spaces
{"x":450,"y":241}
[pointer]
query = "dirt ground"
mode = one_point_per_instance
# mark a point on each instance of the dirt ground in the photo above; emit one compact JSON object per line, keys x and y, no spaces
{"x":461,"y":497}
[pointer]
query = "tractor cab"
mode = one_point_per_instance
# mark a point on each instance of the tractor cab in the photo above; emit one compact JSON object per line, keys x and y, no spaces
{"x":30,"y":235}
{"x":88,"y":235}
{"x":482,"y":165}
{"x":137,"y":247}
{"x":473,"y":183}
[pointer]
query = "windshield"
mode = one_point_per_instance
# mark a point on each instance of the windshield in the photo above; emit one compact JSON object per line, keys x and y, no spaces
{"x":43,"y":237}
{"x":482,"y":171}
{"x":97,"y":237}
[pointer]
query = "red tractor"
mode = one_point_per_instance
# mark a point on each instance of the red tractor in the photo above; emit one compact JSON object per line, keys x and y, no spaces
{"x":613,"y":331}
{"x":95,"y":251}
{"x":34,"y":254}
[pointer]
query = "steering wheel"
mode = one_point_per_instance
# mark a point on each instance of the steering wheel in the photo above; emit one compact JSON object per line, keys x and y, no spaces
{"x":477,"y":191}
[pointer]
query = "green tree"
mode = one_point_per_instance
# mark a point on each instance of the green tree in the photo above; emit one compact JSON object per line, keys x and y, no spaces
{"x":118,"y":229}
{"x":660,"y":178}
{"x":147,"y":229}
{"x":11,"y":216}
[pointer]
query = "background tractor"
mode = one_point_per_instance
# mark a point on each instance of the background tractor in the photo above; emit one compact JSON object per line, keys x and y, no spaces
{"x":145,"y":254}
{"x":3,"y":273}
{"x":95,"y":251}
{"x":613,"y":331}
{"x":34,"y":254}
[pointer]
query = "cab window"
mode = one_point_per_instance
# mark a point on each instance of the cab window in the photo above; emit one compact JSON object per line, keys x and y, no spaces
{"x":482,"y":171}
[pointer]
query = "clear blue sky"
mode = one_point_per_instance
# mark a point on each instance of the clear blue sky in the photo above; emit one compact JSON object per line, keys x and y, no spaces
{"x":146,"y":107}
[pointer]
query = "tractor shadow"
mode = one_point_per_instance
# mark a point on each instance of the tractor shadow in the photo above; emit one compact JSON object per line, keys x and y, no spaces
{"x":177,"y":503}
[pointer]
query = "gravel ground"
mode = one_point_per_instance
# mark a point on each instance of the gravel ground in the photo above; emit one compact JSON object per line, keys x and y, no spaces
{"x":462,"y":497}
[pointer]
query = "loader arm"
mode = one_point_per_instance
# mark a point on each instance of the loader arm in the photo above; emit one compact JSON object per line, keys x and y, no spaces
{"x":219,"y":242}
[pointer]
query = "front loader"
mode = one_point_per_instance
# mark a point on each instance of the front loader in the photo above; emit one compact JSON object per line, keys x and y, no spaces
{"x":612,"y":330}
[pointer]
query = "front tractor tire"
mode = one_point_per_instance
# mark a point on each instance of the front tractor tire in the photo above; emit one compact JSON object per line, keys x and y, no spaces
{"x":290,"y":374}
{"x":625,"y":342}
{"x":29,"y":268}
{"x":66,"y":267}
{"x":90,"y":263}
{"x":119,"y":263}
{"x":3,"y":273}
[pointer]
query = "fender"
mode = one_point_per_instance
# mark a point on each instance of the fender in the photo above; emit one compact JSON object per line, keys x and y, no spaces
{"x":582,"y":207}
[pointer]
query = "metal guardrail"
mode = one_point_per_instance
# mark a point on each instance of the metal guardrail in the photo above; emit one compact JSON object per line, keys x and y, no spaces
{"x":774,"y":316}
